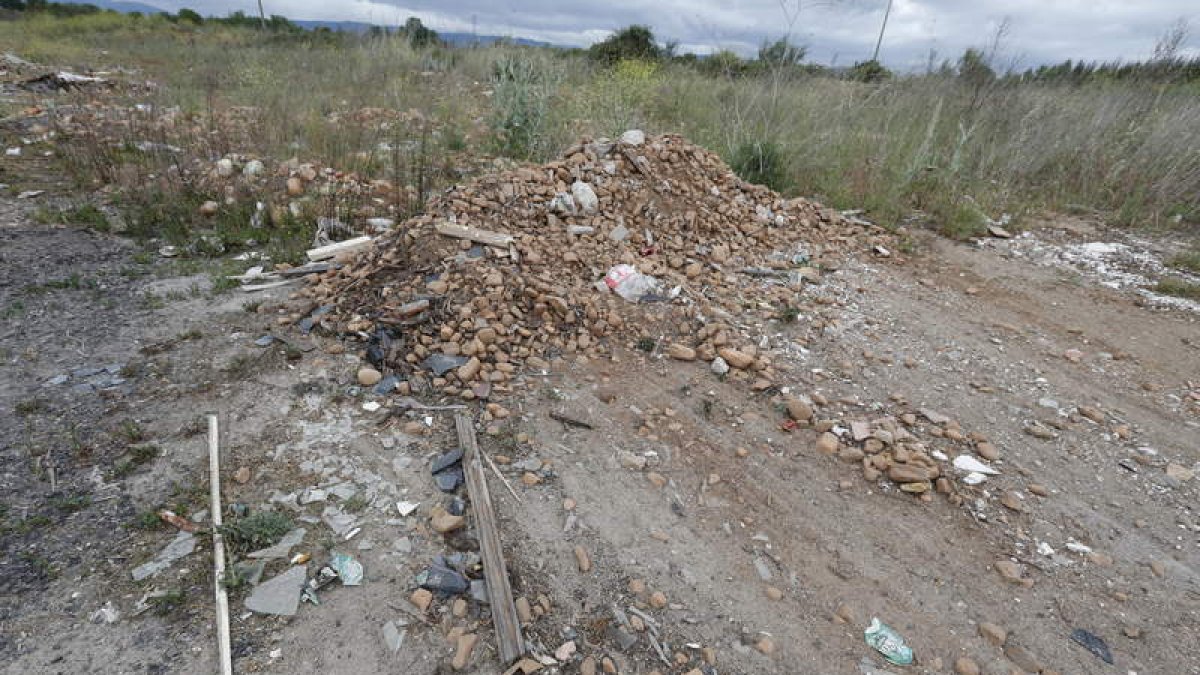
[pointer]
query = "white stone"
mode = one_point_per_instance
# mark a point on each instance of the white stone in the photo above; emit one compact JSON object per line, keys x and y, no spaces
{"x":633,"y":137}
{"x":585,"y":196}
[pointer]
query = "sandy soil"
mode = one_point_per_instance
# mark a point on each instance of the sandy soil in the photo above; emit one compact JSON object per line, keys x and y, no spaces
{"x":971,"y":332}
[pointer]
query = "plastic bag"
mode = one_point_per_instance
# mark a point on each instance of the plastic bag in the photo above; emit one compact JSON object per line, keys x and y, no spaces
{"x":629,"y":283}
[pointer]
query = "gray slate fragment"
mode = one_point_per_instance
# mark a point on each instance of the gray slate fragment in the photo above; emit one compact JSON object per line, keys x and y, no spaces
{"x":393,"y":636}
{"x":250,"y":572}
{"x":283,"y":548}
{"x":183,"y":544}
{"x":280,"y":595}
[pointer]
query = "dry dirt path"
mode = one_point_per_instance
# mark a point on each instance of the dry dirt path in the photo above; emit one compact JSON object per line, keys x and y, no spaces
{"x":985,"y":337}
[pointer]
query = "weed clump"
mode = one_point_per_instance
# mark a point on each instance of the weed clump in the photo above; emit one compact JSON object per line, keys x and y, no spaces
{"x":1178,"y":288}
{"x":256,"y":531}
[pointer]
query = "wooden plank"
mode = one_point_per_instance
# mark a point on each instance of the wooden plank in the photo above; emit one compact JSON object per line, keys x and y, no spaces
{"x":332,"y":250}
{"x":474,"y":234}
{"x":224,"y":651}
{"x":504,"y":612}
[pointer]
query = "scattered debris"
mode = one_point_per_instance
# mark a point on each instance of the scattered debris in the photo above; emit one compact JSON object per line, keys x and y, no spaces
{"x":183,"y":544}
{"x":279,"y":595}
{"x":349,"y":570}
{"x":888,"y":642}
{"x":1093,"y":643}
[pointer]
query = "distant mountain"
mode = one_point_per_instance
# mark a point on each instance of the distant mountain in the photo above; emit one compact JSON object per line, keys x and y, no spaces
{"x":125,"y":6}
{"x":456,"y":39}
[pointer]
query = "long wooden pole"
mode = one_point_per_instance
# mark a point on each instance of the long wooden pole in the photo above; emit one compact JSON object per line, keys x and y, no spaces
{"x":886,"y":12}
{"x":504,"y":612}
{"x":214,"y":480}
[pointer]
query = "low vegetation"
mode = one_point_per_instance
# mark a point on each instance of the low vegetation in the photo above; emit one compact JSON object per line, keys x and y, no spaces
{"x":955,"y":145}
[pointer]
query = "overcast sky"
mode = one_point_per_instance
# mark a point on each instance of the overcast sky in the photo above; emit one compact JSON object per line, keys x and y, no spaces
{"x":835,"y":31}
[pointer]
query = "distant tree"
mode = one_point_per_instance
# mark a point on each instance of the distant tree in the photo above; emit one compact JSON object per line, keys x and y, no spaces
{"x":869,"y":71}
{"x":781,"y":54}
{"x":974,"y":69}
{"x":977,"y":75}
{"x":12,"y":5}
{"x":724,"y":62}
{"x":632,"y":42}
{"x":417,"y":34}
{"x":190,"y":16}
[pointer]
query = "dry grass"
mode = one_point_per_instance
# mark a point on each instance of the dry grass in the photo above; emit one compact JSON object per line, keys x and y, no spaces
{"x":927,"y":144}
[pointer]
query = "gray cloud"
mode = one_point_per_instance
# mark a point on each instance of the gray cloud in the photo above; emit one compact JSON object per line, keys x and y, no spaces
{"x":836,"y":31}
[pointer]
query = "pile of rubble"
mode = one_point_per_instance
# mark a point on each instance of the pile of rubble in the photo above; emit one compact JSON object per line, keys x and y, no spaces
{"x":641,"y":241}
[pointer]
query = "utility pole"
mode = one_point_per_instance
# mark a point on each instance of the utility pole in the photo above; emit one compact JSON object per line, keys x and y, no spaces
{"x":882,"y":28}
{"x":262,"y":16}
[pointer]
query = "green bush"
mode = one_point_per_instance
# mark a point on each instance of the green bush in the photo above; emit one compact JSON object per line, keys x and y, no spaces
{"x":521,"y":91}
{"x":762,"y":162}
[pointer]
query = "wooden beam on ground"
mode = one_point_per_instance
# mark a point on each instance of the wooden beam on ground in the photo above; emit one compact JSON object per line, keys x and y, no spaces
{"x":331,"y":251}
{"x":504,"y":612}
{"x":474,"y":234}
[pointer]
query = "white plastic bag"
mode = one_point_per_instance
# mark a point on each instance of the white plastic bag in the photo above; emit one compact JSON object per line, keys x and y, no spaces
{"x":629,"y":283}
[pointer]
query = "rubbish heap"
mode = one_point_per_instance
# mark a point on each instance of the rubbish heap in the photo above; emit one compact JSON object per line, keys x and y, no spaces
{"x":617,"y":242}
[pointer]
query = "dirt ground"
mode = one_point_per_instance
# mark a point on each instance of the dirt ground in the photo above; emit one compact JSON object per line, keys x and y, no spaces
{"x":107,"y":353}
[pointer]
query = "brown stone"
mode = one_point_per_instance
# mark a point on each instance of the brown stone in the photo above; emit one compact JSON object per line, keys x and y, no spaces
{"x":587,"y":666}
{"x":965,"y":666}
{"x":441,"y":521}
{"x":735,"y":358}
{"x":524,"y":611}
{"x":773,"y":593}
{"x":827,"y":444}
{"x":843,"y":614}
{"x":681,"y":352}
{"x":295,"y":186}
{"x":1159,"y":569}
{"x":909,"y":473}
{"x":462,"y":654}
{"x":583,"y":560}
{"x":987,"y":451}
{"x":799,"y":410}
{"x":656,"y":479}
{"x":369,"y":377}
{"x":993,"y":633}
{"x":851,"y":454}
{"x":242,"y":475}
{"x":1023,"y":659}
{"x":421,"y":599}
{"x":1012,"y":502}
{"x":658,"y":600}
{"x":459,"y":608}
{"x":1011,"y":572}
{"x":765,"y":645}
{"x":1039,"y":490}
{"x":469,"y":370}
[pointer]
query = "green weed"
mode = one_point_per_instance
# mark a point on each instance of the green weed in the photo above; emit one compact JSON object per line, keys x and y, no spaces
{"x":1178,"y":288}
{"x":256,"y":531}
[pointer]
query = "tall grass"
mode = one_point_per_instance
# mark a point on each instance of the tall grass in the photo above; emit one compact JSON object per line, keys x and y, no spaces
{"x":933,"y":144}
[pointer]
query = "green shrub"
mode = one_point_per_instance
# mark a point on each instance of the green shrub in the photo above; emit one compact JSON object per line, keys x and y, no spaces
{"x":259,"y":530}
{"x":762,"y":162}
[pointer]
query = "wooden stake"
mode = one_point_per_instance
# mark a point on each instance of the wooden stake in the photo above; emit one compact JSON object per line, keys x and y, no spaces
{"x":214,"y":480}
{"x":504,"y":612}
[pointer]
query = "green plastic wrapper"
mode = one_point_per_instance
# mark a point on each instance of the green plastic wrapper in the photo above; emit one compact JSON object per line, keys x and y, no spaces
{"x":888,"y":642}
